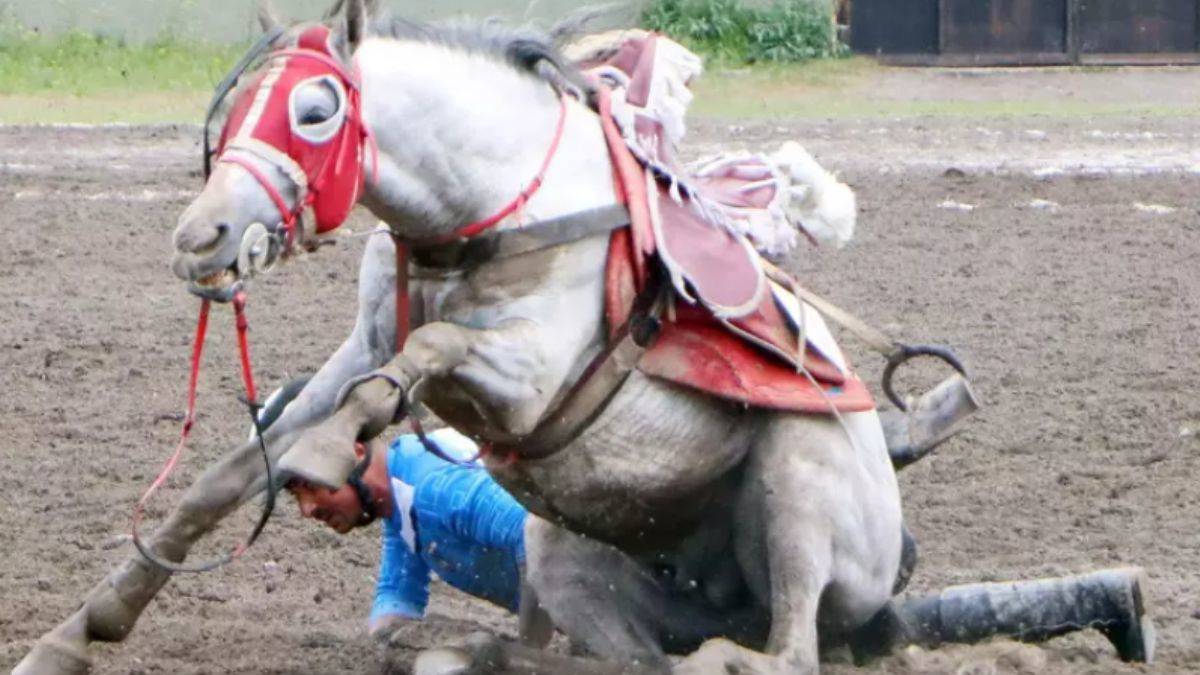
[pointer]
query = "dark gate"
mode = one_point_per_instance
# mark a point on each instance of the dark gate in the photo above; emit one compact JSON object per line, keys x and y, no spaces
{"x":1027,"y":32}
{"x":1139,"y":27}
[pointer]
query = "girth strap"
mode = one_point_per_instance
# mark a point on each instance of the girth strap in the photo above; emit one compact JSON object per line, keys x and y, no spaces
{"x":599,"y":381}
{"x":537,"y":236}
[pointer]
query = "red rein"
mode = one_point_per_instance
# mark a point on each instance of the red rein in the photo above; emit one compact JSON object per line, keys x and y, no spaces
{"x":189,"y":420}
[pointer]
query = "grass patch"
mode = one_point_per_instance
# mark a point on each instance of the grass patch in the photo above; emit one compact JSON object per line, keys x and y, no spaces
{"x":85,"y":78}
{"x":740,"y":32}
{"x":89,"y":79}
{"x":81,"y":64}
{"x":848,"y":88}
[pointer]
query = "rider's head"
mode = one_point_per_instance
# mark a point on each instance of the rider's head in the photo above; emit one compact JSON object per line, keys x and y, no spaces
{"x":365,"y":495}
{"x":363,"y":498}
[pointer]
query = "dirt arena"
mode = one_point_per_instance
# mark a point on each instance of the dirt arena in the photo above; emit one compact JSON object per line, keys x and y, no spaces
{"x":1060,"y":258}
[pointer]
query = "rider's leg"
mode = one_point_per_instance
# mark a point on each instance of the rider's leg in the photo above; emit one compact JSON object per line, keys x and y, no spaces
{"x":1109,"y":601}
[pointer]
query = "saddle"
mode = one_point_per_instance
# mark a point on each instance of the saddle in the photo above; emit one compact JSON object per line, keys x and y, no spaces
{"x":732,"y":327}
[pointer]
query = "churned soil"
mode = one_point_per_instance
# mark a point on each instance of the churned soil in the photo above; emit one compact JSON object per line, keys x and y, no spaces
{"x":1060,"y":263}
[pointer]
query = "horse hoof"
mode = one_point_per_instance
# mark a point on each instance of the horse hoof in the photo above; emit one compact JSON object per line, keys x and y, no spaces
{"x":444,"y":661}
{"x":322,"y":456}
{"x":54,"y":657}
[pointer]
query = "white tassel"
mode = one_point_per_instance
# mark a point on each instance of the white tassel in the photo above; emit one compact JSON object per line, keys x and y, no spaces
{"x":823,"y":206}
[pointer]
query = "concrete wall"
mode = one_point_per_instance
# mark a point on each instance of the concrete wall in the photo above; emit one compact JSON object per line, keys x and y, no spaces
{"x":233,"y":20}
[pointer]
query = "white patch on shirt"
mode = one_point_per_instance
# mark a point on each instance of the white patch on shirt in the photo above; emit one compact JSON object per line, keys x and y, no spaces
{"x":402,"y":495}
{"x":455,"y":444}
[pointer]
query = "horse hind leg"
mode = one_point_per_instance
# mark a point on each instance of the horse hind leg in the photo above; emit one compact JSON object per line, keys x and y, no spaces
{"x":818,"y":539}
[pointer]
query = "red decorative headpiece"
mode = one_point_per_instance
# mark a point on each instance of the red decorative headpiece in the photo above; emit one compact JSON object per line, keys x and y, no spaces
{"x":324,"y":160}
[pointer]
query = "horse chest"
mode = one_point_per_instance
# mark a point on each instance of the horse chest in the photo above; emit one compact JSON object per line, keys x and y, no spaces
{"x":643,"y":469}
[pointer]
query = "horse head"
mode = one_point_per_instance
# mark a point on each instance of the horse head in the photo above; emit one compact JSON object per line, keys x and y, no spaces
{"x":293,"y":139}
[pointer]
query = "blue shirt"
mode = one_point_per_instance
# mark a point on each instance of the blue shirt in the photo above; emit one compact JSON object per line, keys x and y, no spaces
{"x":452,"y":520}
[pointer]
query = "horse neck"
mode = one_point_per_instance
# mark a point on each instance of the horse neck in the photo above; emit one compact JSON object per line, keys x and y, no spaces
{"x":460,"y":135}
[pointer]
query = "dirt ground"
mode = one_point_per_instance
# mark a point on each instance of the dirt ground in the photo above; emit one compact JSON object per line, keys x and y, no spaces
{"x":1058,"y":256}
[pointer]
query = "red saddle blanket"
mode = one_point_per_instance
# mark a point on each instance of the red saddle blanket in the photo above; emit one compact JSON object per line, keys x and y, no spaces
{"x":734,"y":329}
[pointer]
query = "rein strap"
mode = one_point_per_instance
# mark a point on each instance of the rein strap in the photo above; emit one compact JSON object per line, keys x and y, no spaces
{"x":239,"y":305}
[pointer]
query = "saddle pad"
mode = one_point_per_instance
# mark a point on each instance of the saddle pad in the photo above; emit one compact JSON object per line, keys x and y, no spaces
{"x":695,"y":350}
{"x":732,"y":335}
{"x":704,"y":356}
{"x":707,"y":264}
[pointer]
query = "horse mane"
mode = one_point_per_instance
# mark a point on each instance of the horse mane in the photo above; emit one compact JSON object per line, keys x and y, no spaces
{"x":526,"y":49}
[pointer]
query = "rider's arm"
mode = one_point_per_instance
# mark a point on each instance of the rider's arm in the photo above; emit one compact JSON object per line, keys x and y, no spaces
{"x":403,"y":586}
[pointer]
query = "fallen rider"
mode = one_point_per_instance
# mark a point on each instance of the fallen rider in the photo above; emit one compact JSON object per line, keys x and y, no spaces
{"x":437,"y":516}
{"x":454,"y":520}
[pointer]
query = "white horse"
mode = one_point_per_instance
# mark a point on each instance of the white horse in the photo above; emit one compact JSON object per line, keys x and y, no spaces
{"x":669,"y":520}
{"x":791,"y":519}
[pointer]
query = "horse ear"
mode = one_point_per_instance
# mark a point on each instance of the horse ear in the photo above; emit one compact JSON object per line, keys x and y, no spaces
{"x":356,"y":22}
{"x":267,"y":18}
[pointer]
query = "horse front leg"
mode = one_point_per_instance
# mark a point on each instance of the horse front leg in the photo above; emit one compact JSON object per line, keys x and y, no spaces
{"x":113,"y":606}
{"x":496,"y":367}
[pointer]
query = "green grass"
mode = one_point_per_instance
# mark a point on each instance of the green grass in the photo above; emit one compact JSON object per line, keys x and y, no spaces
{"x":740,"y":32}
{"x":82,"y":77}
{"x":80,"y":64}
{"x":846,"y":88}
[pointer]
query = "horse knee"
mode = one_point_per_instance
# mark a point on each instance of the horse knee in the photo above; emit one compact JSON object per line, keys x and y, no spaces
{"x":113,"y":606}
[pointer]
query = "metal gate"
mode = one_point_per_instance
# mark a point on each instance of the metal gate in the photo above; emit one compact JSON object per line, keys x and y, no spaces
{"x":1027,"y":32}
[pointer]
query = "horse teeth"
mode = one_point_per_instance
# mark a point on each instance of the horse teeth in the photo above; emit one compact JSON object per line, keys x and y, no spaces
{"x":218,"y":279}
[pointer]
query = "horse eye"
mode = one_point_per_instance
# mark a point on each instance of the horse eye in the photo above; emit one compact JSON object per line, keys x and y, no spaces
{"x":316,"y":103}
{"x":314,"y":116}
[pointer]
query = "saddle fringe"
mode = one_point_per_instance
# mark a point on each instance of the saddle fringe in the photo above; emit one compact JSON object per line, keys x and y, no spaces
{"x":807,"y":198}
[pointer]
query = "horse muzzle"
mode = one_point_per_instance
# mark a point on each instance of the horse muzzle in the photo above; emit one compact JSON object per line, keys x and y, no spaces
{"x":257,"y":252}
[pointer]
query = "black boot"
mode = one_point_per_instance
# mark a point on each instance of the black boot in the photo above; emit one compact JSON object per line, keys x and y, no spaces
{"x":1031,"y":611}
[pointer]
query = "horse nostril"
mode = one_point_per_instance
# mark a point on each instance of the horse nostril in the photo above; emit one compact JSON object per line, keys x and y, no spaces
{"x":201,"y":239}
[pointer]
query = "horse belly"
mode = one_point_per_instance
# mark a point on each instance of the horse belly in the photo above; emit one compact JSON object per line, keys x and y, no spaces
{"x":643,"y":470}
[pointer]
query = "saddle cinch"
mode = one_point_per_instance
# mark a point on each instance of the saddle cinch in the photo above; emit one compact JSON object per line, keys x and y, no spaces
{"x":730,"y":325}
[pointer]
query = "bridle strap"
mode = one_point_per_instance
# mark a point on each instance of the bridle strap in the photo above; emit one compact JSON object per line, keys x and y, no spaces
{"x":228,"y":83}
{"x":315,"y":55}
{"x":288,"y":214}
{"x":239,"y":305}
{"x":518,"y":202}
{"x":403,"y":303}
{"x":365,"y":499}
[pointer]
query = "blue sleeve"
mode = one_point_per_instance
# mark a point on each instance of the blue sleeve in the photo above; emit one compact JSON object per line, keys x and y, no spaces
{"x":403,"y":586}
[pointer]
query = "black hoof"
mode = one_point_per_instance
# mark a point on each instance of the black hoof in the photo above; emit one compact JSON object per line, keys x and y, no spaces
{"x":1133,"y":635}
